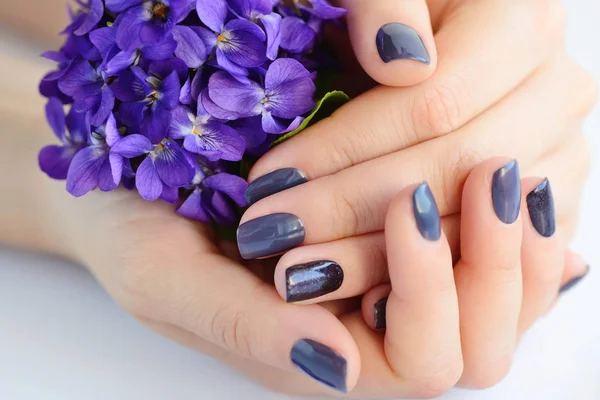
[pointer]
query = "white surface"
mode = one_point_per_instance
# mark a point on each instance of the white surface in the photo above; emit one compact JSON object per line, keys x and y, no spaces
{"x":62,"y":337}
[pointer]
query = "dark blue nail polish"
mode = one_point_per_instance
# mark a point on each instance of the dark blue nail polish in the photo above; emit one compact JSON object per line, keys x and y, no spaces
{"x":270,"y":235}
{"x":573,"y":282}
{"x":312,"y":280}
{"x":426,"y":213}
{"x":321,"y":363}
{"x":274,"y":182}
{"x":379,"y":313}
{"x":506,"y":192}
{"x":401,"y":42}
{"x":540,"y":204}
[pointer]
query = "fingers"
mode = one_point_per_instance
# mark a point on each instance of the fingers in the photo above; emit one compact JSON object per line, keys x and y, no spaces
{"x":542,"y":252}
{"x":488,"y":276}
{"x":353,"y":201}
{"x":392,"y":40}
{"x":459,"y":90}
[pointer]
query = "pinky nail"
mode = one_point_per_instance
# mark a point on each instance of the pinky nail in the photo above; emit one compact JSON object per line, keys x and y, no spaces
{"x":573,"y":282}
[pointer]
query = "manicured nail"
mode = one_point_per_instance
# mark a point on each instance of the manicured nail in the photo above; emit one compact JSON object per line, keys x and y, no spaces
{"x":321,"y":363}
{"x":540,"y":204}
{"x":379,"y":313}
{"x":312,"y":280}
{"x":270,"y":235}
{"x":506,"y":192}
{"x":274,"y":182}
{"x":573,"y":282}
{"x":400,"y":42}
{"x":426,"y":213}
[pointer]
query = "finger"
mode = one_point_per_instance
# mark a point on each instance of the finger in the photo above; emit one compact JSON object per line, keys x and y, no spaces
{"x":488,"y":275}
{"x":392,"y":40}
{"x":374,"y":306}
{"x":542,"y":251}
{"x":422,"y":333}
{"x":575,"y":270}
{"x":353,"y":201}
{"x":459,"y":90}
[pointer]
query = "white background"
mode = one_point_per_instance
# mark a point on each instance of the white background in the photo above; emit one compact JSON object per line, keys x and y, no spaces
{"x":62,"y":337}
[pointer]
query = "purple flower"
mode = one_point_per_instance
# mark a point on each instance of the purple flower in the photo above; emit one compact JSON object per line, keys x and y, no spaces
{"x":55,"y":160}
{"x":94,"y":166}
{"x":147,"y":101}
{"x":212,"y":196}
{"x":147,"y":21}
{"x":204,"y":135}
{"x":164,"y":167}
{"x":239,"y":43}
{"x":298,"y":36}
{"x":116,"y":60}
{"x":287,"y":93}
{"x":318,"y":8}
{"x":89,"y":90}
{"x":261,"y":11}
{"x":86,"y":19}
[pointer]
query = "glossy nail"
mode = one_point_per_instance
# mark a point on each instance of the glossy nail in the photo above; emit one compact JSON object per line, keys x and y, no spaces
{"x":274,"y":182}
{"x":573,"y":282}
{"x":540,"y":204}
{"x":506,"y":192}
{"x":426,"y":213}
{"x":379,"y":313}
{"x":396,"y":41}
{"x":270,"y":235}
{"x":321,"y":363}
{"x":312,"y":280}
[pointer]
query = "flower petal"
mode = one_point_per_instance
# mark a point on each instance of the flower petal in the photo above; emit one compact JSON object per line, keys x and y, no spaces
{"x":130,"y":25}
{"x":250,"y":129}
{"x":192,"y":208}
{"x":217,"y":137}
{"x":55,"y":160}
{"x":272,"y":24}
{"x":275,"y":126}
{"x":189,"y":46}
{"x":56,"y":117}
{"x":104,"y":39}
{"x":232,"y":185}
{"x":163,"y":68}
{"x":170,"y":194}
{"x":121,"y":5}
{"x":84,"y":169}
{"x":230,"y":94}
{"x":78,"y":125}
{"x":172,"y":166}
{"x":208,"y":37}
{"x":161,"y":50}
{"x":120,"y":61}
{"x":132,"y":114}
{"x":322,"y":9}
{"x":106,"y":176}
{"x":185,"y":94}
{"x":296,"y":35}
{"x":289,"y":88}
{"x":232,"y":68}
{"x":219,"y":207}
{"x":105,"y":107}
{"x":147,"y":181}
{"x":92,"y":18}
{"x":181,"y":123}
{"x":244,"y":43}
{"x":81,"y":80}
{"x":215,"y":110}
{"x":169,"y":91}
{"x":132,"y":146}
{"x":111,"y":131}
{"x":212,"y":13}
{"x":129,"y":87}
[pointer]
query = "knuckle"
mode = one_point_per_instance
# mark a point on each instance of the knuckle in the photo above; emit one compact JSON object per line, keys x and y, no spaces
{"x":134,"y":288}
{"x":437,"y":380}
{"x":346,"y":215}
{"x":489,"y":375}
{"x":438,"y":109}
{"x":231,"y":329}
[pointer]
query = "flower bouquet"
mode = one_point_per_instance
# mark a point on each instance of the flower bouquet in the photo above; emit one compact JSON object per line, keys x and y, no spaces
{"x":175,"y":98}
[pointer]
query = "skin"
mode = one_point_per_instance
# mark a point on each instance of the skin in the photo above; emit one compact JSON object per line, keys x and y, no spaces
{"x":204,"y":298}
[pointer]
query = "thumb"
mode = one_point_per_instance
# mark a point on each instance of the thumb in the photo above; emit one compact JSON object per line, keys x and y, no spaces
{"x":575,"y":270}
{"x":392,"y":40}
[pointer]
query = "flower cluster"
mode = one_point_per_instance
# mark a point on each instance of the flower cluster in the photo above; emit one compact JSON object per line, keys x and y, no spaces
{"x":167,"y":97}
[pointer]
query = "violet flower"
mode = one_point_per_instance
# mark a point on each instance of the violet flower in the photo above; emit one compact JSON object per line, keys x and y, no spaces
{"x":239,"y":43}
{"x":146,"y":21}
{"x":202,"y":134}
{"x":297,"y":35}
{"x":55,"y":160}
{"x":86,"y":19}
{"x":94,"y":166}
{"x":319,"y":8}
{"x":147,"y":101}
{"x":261,"y":11}
{"x":164,"y":167}
{"x":213,"y":195}
{"x":88,"y":88}
{"x":287,"y":93}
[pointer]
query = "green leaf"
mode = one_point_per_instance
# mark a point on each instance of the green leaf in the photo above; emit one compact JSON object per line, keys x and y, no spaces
{"x":325,"y":107}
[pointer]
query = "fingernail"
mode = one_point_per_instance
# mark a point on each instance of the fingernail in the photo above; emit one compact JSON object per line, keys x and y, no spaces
{"x":312,"y":280}
{"x":321,"y":363}
{"x":573,"y":282}
{"x":379,"y":313}
{"x":540,"y":204}
{"x":400,"y":42}
{"x":270,"y":235}
{"x":274,"y":182}
{"x":426,"y":213}
{"x":506,"y":192}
